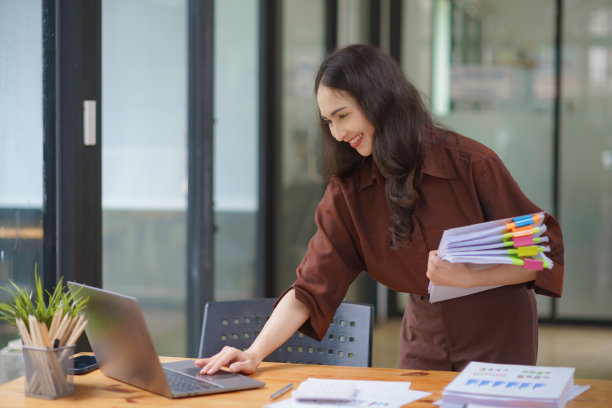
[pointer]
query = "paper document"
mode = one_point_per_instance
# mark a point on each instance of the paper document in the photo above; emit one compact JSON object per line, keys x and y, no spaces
{"x":383,"y":394}
{"x":509,"y":385}
{"x":513,"y":241}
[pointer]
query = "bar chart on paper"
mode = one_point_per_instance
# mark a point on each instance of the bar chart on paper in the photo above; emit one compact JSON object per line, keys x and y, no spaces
{"x":512,"y":385}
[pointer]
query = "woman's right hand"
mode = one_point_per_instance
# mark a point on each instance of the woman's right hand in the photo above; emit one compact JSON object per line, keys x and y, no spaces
{"x":232,"y":358}
{"x":286,"y":318}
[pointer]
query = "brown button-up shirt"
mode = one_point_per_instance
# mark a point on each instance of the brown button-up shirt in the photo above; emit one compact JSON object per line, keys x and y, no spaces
{"x":463,"y":182}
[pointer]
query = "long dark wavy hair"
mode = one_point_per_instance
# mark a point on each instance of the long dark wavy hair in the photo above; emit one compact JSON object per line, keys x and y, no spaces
{"x":401,"y":124}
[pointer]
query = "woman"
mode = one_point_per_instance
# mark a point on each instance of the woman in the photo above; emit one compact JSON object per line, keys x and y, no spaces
{"x":397,"y":181}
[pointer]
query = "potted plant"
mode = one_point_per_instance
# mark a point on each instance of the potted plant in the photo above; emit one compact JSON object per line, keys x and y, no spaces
{"x":49,"y":331}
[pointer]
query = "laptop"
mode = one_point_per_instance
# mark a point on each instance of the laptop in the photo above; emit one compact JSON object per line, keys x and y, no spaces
{"x":121,"y":342}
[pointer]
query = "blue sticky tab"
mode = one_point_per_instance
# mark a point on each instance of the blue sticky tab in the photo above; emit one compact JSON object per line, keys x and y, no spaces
{"x":522,"y":221}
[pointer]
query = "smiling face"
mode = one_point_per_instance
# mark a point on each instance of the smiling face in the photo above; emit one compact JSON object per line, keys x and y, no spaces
{"x":346,"y":121}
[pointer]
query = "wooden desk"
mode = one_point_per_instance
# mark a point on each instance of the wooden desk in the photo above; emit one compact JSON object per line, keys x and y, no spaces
{"x":95,"y":390}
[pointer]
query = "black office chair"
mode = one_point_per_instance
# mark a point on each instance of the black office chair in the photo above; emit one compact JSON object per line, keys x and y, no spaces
{"x":348,"y":340}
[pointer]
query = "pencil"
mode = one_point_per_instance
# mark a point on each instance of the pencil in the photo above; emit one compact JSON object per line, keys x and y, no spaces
{"x":281,"y":391}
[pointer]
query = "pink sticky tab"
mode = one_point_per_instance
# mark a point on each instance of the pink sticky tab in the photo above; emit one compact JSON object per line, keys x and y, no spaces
{"x":526,"y":240}
{"x":533,"y":264}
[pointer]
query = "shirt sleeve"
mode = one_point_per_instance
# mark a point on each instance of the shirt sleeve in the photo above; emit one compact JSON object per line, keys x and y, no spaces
{"x":331,"y":263}
{"x":501,"y":197}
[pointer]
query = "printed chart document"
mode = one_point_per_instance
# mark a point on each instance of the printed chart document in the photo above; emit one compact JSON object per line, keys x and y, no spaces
{"x":514,"y":241}
{"x":509,"y":385}
{"x":366,"y":394}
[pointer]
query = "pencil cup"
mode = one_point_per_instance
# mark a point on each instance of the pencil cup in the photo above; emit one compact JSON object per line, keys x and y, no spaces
{"x":47,"y":372}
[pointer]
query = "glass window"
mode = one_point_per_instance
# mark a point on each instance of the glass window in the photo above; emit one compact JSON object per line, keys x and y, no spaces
{"x":301,"y":183}
{"x":586,"y":160}
{"x":144,"y":161}
{"x":415,"y":60}
{"x":352,"y":22}
{"x":493,"y":81}
{"x":236,"y":146}
{"x":416,"y":43}
{"x":21,"y":141}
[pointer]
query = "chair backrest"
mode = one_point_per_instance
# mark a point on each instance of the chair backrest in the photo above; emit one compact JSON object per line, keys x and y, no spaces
{"x":348,"y":340}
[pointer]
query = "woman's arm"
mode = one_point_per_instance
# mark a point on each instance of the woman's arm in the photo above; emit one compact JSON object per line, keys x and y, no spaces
{"x":286,"y":318}
{"x":445,"y":273}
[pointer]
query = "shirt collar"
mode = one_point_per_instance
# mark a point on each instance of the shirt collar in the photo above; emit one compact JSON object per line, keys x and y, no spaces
{"x":369,"y":175}
{"x":437,"y":150}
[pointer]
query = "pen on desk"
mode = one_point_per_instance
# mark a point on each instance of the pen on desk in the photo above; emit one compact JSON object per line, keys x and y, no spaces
{"x":282,"y":391}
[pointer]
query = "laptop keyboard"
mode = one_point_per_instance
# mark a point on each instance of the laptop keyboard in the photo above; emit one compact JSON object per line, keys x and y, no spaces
{"x":182,"y":383}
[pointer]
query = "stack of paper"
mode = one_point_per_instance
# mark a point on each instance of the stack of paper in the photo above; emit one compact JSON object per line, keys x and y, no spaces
{"x":514,"y":241}
{"x":508,"y":385}
{"x":363,"y":394}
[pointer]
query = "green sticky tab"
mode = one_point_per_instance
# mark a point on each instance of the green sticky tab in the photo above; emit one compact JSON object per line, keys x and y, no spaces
{"x":516,"y":261}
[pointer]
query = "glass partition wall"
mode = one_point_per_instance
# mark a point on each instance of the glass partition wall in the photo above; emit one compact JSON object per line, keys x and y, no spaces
{"x":586,"y":160}
{"x":300,"y":180}
{"x":236,"y":67}
{"x":145,"y":157}
{"x":21,"y":149}
{"x":492,"y":79}
{"x":353,"y":22}
{"x":144,"y":161}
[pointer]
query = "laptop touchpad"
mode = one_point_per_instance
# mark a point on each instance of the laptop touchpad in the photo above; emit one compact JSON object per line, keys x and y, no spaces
{"x":188,"y":368}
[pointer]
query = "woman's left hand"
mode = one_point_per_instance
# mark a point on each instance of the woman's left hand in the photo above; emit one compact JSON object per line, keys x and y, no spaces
{"x":444,"y":273}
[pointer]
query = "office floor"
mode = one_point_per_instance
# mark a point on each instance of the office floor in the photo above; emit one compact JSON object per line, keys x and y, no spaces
{"x":589,"y":349}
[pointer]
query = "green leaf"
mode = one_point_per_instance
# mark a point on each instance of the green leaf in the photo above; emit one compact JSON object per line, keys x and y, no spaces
{"x":25,"y":303}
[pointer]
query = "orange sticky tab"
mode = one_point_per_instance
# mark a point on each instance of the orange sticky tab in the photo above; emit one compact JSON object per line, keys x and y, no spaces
{"x":523,"y":233}
{"x":527,"y":251}
{"x":510,"y":226}
{"x":525,"y":228}
{"x":536,"y":218}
